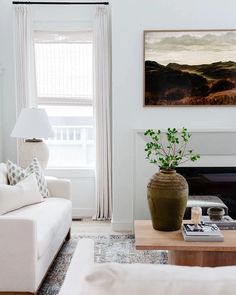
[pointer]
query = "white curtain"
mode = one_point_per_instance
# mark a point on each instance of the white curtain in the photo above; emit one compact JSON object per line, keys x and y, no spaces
{"x":24,"y":61}
{"x":102,"y":98}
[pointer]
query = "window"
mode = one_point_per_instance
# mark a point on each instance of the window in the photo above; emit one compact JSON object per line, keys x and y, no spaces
{"x":64,"y":80}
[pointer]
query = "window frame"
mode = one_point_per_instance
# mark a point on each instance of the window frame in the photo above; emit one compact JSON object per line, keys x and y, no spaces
{"x":65,"y":101}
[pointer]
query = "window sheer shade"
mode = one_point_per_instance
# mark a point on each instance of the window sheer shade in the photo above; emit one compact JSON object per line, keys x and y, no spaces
{"x":64,"y":67}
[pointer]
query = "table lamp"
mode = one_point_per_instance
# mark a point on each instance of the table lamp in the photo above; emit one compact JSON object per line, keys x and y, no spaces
{"x":33,"y":125}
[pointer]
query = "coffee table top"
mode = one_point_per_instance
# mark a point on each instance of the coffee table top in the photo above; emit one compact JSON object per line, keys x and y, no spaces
{"x":147,"y":238}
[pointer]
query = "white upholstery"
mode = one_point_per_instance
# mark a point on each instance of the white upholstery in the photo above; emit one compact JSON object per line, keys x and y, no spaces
{"x":60,"y":188}
{"x":144,"y":279}
{"x":86,"y":278}
{"x":83,"y":259}
{"x":18,"y":258}
{"x":24,"y":193}
{"x":31,"y":236}
{"x":47,"y":215}
{"x":45,"y":260}
{"x":3,"y":173}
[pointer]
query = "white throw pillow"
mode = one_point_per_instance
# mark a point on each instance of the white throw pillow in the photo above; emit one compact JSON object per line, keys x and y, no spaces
{"x":16,"y":174}
{"x":145,"y":279}
{"x":24,"y":193}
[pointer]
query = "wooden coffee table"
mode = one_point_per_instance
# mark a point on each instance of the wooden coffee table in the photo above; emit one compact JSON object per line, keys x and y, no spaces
{"x":181,"y":252}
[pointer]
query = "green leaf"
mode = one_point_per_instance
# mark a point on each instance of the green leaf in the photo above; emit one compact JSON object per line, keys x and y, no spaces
{"x":168,"y":155}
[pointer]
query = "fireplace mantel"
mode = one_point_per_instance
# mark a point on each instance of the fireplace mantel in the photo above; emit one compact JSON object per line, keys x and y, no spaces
{"x":195,"y":130}
{"x":217,"y":141}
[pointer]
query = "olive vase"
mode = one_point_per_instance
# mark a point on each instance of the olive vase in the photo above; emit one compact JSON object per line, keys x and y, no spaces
{"x":167,"y":194}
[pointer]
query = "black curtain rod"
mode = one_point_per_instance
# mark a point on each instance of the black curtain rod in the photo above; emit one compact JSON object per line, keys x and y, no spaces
{"x":62,"y":3}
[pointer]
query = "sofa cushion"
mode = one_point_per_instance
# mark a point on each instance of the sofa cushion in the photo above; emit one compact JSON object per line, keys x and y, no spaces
{"x":49,"y":216}
{"x":24,"y":193}
{"x":144,"y":279}
{"x":16,"y":174}
{"x":3,"y":173}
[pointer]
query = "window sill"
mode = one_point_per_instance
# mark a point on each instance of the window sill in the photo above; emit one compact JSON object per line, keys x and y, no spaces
{"x":71,"y":172}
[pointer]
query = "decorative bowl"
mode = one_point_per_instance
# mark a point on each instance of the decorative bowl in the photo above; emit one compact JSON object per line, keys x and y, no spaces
{"x":216,"y":213}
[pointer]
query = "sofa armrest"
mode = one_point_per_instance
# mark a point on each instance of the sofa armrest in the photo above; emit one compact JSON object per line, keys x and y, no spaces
{"x":82,"y":260}
{"x":59,"y":187}
{"x":18,"y":254}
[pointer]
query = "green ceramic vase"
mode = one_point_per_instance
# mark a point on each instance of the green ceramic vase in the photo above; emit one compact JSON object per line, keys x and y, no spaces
{"x":167,"y":194}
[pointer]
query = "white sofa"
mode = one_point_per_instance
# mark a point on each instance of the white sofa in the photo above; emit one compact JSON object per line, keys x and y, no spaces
{"x":30,"y":237}
{"x":86,"y":278}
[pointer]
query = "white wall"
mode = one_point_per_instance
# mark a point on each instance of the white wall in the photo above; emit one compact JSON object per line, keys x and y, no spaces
{"x":82,"y":187}
{"x":129,"y":19}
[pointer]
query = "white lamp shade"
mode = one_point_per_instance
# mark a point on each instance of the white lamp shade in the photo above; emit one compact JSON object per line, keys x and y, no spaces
{"x":32,"y":123}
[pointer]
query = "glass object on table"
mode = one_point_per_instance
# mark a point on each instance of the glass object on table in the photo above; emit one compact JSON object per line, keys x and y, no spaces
{"x":196,"y":215}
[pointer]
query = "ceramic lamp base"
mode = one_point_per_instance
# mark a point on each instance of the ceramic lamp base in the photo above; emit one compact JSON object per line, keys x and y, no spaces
{"x":30,"y":149}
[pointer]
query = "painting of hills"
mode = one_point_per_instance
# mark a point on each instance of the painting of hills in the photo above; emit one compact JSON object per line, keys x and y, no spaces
{"x":190,"y":67}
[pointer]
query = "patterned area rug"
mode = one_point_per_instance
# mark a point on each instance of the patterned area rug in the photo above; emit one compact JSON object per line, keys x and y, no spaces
{"x":108,"y":248}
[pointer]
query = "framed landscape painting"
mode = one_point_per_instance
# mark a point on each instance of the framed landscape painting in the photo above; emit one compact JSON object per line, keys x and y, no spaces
{"x":190,"y":67}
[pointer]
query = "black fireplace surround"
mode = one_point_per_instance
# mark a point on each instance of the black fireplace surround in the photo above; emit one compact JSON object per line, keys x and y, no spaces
{"x":215,"y":181}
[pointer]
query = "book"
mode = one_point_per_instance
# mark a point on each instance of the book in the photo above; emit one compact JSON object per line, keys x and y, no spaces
{"x":204,"y":233}
{"x":210,"y":238}
{"x":226,"y":223}
{"x":201,"y":229}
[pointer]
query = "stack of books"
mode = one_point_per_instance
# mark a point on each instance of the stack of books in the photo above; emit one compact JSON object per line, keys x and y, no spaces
{"x":225,"y":223}
{"x":202,"y":233}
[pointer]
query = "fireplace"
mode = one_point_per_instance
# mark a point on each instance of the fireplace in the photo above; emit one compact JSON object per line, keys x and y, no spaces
{"x":216,"y":181}
{"x":216,"y":174}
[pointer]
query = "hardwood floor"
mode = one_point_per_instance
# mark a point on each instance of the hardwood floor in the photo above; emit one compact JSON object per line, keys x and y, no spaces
{"x":89,"y":226}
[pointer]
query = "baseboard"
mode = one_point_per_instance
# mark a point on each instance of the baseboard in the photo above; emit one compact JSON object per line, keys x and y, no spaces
{"x":122,"y":226}
{"x":82,"y":212}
